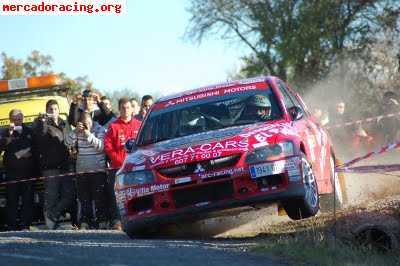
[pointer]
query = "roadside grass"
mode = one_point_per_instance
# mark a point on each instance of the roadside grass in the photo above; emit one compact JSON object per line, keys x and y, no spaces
{"x":311,"y":242}
{"x":322,"y":251}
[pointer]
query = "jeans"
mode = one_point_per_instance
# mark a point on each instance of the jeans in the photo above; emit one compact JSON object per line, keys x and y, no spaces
{"x":90,"y":188}
{"x":59,"y":193}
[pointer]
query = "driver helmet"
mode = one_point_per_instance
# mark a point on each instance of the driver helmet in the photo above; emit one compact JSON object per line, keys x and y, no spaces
{"x":260,"y":106}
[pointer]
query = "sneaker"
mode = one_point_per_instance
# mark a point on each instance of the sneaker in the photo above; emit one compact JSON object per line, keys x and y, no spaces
{"x":51,"y":221}
{"x":84,"y":226}
{"x":116,"y":226}
{"x":103,"y":226}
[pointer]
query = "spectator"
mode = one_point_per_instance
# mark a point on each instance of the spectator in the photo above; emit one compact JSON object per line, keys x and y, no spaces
{"x":17,"y":144}
{"x":88,"y":101}
{"x":147,"y":102}
{"x":109,"y":116}
{"x":322,"y":117}
{"x":49,"y":132}
{"x":341,"y":136}
{"x":135,"y":106}
{"x":390,"y":125}
{"x":88,"y":137}
{"x":119,"y":131}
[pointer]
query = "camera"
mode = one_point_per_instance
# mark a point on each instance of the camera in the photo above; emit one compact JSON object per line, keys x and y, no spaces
{"x":86,"y":93}
{"x":18,"y":128}
{"x":45,"y":116}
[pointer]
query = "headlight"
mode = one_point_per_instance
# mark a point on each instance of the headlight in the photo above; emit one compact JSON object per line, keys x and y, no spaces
{"x":270,"y":152}
{"x":135,"y":178}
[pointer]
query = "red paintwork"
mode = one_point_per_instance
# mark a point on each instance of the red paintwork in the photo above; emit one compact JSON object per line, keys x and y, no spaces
{"x":305,"y":134}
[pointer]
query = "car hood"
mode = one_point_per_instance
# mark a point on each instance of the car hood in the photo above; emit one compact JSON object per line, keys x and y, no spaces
{"x":208,"y":145}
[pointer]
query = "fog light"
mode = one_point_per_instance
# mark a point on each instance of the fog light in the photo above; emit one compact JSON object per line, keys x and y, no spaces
{"x":164,"y":204}
{"x":243,"y":190}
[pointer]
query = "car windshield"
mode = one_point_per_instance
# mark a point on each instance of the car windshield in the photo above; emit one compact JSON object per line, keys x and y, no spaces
{"x":210,"y":114}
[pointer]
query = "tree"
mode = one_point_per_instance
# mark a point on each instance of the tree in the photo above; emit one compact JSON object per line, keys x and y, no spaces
{"x":12,"y":68}
{"x":296,"y":40}
{"x":38,"y":64}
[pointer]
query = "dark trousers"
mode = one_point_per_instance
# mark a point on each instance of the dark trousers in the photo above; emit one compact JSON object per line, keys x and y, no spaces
{"x":90,"y":188}
{"x":111,"y":202}
{"x":59,"y":193}
{"x":14,"y":191}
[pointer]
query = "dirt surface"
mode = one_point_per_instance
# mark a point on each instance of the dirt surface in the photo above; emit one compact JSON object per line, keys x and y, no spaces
{"x":369,"y":193}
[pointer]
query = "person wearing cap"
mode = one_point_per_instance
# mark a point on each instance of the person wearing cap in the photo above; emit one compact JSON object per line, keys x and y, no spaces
{"x":89,"y":101}
{"x":19,"y":162}
{"x":49,"y":135}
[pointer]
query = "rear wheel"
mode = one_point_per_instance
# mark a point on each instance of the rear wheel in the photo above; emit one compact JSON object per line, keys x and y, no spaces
{"x":308,"y":205}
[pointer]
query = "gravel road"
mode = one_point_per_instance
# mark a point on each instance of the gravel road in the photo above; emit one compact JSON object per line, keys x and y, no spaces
{"x":115,"y":248}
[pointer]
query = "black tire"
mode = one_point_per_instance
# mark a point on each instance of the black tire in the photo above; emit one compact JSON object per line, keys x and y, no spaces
{"x":335,"y":200}
{"x":308,"y":205}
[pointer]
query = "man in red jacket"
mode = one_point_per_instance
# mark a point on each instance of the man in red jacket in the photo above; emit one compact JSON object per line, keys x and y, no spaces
{"x":119,"y":131}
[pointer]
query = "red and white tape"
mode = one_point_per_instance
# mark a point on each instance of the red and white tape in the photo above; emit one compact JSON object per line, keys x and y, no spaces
{"x":56,"y":176}
{"x":345,"y":168}
{"x":366,"y":120}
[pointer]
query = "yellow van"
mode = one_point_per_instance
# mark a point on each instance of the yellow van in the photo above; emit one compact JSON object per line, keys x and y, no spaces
{"x":30,"y":96}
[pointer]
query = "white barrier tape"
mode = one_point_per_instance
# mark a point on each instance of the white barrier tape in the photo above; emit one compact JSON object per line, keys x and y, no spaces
{"x":366,"y":120}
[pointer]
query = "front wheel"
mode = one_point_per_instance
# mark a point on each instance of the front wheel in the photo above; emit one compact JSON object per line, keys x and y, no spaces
{"x":308,"y":205}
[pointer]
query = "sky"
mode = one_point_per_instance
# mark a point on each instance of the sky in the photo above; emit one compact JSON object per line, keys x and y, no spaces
{"x":143,"y":50}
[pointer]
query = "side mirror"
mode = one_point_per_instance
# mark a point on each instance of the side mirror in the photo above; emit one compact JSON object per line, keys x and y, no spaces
{"x":296,"y":113}
{"x":130,"y":146}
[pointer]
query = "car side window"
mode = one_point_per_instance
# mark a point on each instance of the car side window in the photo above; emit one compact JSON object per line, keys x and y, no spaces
{"x":286,"y":96}
{"x":290,"y":99}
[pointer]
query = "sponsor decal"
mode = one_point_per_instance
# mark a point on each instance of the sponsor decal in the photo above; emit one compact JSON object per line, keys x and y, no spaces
{"x":201,"y":152}
{"x":269,"y":130}
{"x":147,"y":190}
{"x":218,"y":90}
{"x":232,"y":171}
{"x":199,"y":169}
{"x":259,"y":82}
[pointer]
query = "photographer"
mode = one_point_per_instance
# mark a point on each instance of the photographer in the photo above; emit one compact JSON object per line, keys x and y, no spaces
{"x":49,"y":132}
{"x":19,"y":164}
{"x":88,"y":138}
{"x":88,"y":101}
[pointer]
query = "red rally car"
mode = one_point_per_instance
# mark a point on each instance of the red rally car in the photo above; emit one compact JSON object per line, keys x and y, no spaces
{"x":230,"y":145}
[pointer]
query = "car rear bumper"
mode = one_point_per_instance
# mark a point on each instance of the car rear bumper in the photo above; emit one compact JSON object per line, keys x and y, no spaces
{"x":135,"y":224}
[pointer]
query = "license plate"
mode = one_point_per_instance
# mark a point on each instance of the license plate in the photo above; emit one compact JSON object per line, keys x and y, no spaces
{"x":266,"y":169}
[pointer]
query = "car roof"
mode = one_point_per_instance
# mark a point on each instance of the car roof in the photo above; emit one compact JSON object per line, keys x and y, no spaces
{"x":215,"y":86}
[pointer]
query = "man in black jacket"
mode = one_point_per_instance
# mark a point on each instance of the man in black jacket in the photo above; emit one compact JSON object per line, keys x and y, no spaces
{"x":49,"y":131}
{"x":17,"y":143}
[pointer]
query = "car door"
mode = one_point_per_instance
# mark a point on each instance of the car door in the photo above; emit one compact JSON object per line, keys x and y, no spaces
{"x":309,"y":132}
